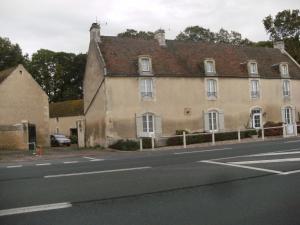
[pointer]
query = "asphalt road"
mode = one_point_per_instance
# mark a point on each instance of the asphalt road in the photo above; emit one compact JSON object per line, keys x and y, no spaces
{"x":253,"y":183}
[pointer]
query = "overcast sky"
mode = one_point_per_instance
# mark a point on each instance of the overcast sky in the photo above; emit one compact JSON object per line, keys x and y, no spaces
{"x":63,"y":25}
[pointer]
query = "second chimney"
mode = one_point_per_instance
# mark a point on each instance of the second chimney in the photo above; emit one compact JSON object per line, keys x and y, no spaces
{"x":95,"y":32}
{"x":279,"y":45}
{"x":159,"y":35}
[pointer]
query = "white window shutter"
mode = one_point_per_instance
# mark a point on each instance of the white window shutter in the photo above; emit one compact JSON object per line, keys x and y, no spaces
{"x":142,"y":85}
{"x":139,"y":125}
{"x":282,"y":115}
{"x":221,"y":121}
{"x":293,"y":115}
{"x":158,"y":126}
{"x":206,"y":121}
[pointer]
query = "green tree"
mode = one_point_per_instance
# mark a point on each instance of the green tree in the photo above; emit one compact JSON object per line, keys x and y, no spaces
{"x":131,"y":33}
{"x":285,"y":26}
{"x":60,"y":74}
{"x":10,"y":54}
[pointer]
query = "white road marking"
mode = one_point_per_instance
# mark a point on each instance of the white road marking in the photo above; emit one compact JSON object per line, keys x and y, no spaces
{"x":265,"y":161}
{"x":70,"y":162}
{"x":292,"y":141}
{"x":240,"y":166}
{"x":43,"y":164}
{"x":15,"y":166}
{"x":97,"y":172}
{"x":6,"y":212}
{"x":255,"y":155}
{"x":277,"y":153}
{"x":93,"y":159}
{"x":200,"y":151}
{"x":290,"y":172}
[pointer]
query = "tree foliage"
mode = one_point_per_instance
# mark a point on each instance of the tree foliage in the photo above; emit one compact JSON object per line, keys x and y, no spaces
{"x":196,"y":33}
{"x":131,"y":33}
{"x":10,"y":54}
{"x":285,"y":26}
{"x":60,"y":74}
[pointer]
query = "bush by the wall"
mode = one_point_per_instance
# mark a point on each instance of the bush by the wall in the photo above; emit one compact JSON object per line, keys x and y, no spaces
{"x":74,"y":139}
{"x":125,"y":145}
{"x":147,"y":143}
{"x":273,"y":131}
{"x":248,"y":133}
{"x":226,"y":136}
{"x":180,"y":132}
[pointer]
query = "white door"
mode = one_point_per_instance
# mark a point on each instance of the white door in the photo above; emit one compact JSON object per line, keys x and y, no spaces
{"x":256,"y":120}
{"x":288,"y":121}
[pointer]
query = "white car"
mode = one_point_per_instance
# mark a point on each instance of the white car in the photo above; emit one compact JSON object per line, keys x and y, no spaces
{"x":60,"y":140}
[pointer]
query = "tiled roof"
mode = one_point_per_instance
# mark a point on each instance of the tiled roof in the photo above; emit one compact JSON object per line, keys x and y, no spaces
{"x":66,"y":108}
{"x":185,"y":58}
{"x":5,"y":73}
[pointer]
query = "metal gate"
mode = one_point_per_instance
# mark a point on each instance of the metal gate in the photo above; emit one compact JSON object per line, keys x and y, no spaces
{"x":31,"y":137}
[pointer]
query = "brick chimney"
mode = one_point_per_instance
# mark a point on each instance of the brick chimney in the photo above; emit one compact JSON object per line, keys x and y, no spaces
{"x":95,"y":32}
{"x":159,"y":35}
{"x":279,"y":45}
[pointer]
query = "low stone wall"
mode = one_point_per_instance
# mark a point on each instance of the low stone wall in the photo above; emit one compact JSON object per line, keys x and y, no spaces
{"x":13,"y":137}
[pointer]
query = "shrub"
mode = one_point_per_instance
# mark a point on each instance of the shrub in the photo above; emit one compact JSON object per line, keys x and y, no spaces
{"x":180,"y":132}
{"x":147,"y":143}
{"x":125,"y":145}
{"x":74,"y":139}
{"x":273,"y":131}
{"x":172,"y":141}
{"x":248,"y":133}
{"x":226,"y":136}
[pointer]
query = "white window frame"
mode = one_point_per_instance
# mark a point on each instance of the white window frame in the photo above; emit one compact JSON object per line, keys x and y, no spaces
{"x":284,"y":69}
{"x":213,"y":120}
{"x":211,"y":88}
{"x":256,"y":112}
{"x":255,"y":89}
{"x":145,"y":69}
{"x":252,"y":68}
{"x":210,"y":66}
{"x":148,"y":131}
{"x":286,"y":88}
{"x":288,"y":115}
{"x":146,"y":88}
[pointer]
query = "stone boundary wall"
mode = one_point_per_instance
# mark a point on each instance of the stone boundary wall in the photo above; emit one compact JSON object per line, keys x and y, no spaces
{"x":13,"y":137}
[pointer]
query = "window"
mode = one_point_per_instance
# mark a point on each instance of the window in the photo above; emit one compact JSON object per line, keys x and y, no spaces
{"x":284,"y":71}
{"x":252,"y":68}
{"x":286,"y":88}
{"x":255,"y":93}
{"x":211,"y":88}
{"x":146,"y":88}
{"x":256,"y":118}
{"x":145,"y":67}
{"x":209,"y":65}
{"x":213,"y":121}
{"x":145,"y":63}
{"x":148,"y":124}
{"x":288,"y":115}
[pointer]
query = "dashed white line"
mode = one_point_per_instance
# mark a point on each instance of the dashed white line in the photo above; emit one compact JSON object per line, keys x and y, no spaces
{"x":90,"y":158}
{"x":70,"y":162}
{"x":240,"y":166}
{"x":200,"y":151}
{"x":93,"y":159}
{"x":97,"y":172}
{"x":290,"y":172}
{"x":43,"y":164}
{"x":14,"y":166}
{"x":292,"y":141}
{"x":6,"y":212}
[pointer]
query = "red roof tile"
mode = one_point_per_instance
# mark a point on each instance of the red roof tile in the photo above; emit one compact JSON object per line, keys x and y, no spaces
{"x":184,"y":58}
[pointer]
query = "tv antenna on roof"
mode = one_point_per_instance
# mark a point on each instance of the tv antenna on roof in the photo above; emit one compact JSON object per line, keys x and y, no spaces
{"x":104,"y":23}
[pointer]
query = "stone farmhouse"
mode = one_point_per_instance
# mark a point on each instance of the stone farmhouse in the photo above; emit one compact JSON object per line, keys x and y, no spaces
{"x":141,"y":88}
{"x":24,"y":110}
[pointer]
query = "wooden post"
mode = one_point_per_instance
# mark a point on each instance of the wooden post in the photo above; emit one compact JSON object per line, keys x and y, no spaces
{"x":213,"y":138}
{"x":296,"y":131}
{"x":152,"y":142}
{"x":263,"y":133}
{"x":239,"y":135}
{"x":184,"y":140}
{"x":141,"y":144}
{"x":283,"y":130}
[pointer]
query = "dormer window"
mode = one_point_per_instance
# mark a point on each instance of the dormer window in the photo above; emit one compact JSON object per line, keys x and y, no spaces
{"x":284,"y":70}
{"x":252,"y":68}
{"x":145,"y":67}
{"x":209,"y":65}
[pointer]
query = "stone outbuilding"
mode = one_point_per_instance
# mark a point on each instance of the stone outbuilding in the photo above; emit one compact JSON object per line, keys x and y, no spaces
{"x":24,"y":110}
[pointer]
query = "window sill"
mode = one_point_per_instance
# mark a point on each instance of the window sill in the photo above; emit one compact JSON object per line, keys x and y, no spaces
{"x":212,"y":98}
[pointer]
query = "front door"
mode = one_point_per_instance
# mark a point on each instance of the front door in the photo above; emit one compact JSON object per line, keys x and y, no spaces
{"x":289,"y":121}
{"x":31,"y":137}
{"x":256,"y":120}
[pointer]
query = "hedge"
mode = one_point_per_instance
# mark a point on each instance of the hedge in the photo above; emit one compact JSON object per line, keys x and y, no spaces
{"x":125,"y":145}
